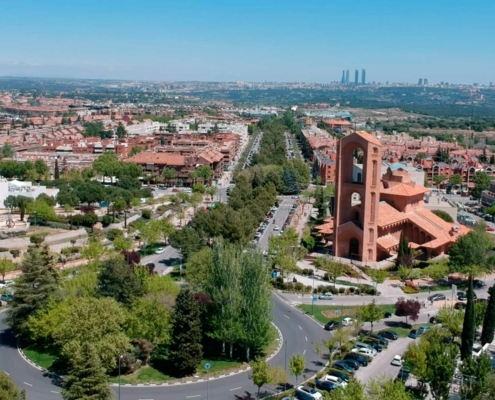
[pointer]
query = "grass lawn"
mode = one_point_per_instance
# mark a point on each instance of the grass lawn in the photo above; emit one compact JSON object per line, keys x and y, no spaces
{"x":43,"y":357}
{"x":345,"y":311}
{"x":404,"y":332}
{"x":437,"y":288}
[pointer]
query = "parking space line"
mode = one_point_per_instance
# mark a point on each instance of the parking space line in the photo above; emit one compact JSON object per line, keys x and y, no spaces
{"x":237,"y":388}
{"x":27,"y":383}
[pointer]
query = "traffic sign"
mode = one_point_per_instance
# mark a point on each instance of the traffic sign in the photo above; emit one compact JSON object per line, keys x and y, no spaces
{"x":207,"y":366}
{"x":315,"y":298}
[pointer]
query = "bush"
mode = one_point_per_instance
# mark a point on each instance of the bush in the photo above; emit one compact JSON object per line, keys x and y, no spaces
{"x":352,"y":289}
{"x":299,"y":287}
{"x":409,"y":290}
{"x":325,"y":277}
{"x":112,"y":234}
{"x":146,"y":214}
{"x":341,"y":290}
{"x":308,"y":288}
{"x":357,"y":291}
{"x":443,"y":215}
{"x":106,"y":220}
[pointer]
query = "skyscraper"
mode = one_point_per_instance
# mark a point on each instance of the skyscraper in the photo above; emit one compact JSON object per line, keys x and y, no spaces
{"x":425,"y":81}
{"x":356,"y":77}
{"x":420,"y":82}
{"x":347,"y":77}
{"x":363,"y":77}
{"x":342,"y":81}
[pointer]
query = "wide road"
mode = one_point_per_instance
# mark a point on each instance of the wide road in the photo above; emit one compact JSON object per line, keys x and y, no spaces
{"x":298,"y":330}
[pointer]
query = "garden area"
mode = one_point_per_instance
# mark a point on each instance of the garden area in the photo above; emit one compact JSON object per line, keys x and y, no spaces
{"x":324,"y":314}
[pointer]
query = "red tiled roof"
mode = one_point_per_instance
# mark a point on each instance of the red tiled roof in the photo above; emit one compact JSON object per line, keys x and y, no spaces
{"x":405,"y":189}
{"x":388,"y":215}
{"x":148,"y":157}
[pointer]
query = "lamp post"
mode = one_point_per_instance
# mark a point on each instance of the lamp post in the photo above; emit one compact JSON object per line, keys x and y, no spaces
{"x":35,"y":217}
{"x":120,"y":358}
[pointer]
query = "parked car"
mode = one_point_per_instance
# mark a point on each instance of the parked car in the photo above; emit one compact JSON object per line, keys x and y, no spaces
{"x":463,"y":296}
{"x":308,"y":393}
{"x":327,"y":386}
{"x":341,"y":375}
{"x":337,"y":380}
{"x":375,"y":346}
{"x":403,"y":374}
{"x":160,"y":250}
{"x":354,"y":364}
{"x":276,"y":228}
{"x":380,"y":339}
{"x":478,"y":284}
{"x":343,"y":367}
{"x":364,"y":352}
{"x":423,"y":329}
{"x":459,"y":305}
{"x":436,"y":297}
{"x":389,"y":335}
{"x":326,"y":296}
{"x":330,"y":326}
{"x":7,"y":297}
{"x":356,"y":357}
{"x":489,"y":229}
{"x":347,"y":321}
{"x":413,"y":334}
{"x":397,"y":361}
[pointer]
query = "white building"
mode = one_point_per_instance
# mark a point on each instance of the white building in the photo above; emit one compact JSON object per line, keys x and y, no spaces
{"x":147,"y":127}
{"x":18,"y":188}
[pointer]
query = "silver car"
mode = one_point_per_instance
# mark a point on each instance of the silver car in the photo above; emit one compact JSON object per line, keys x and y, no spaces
{"x":326,"y":296}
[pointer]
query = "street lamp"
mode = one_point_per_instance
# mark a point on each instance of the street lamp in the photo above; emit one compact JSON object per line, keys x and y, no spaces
{"x":120,"y":358}
{"x":35,"y":217}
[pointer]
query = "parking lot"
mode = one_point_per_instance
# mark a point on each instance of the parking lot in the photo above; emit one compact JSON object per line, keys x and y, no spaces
{"x":380,"y":366}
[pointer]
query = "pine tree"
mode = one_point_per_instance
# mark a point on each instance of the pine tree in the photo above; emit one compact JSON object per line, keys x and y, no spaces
{"x":86,"y":379}
{"x":405,"y":254}
{"x":492,"y":159}
{"x":8,"y":389}
{"x":468,"y":328}
{"x":57,"y":171}
{"x":489,"y":322}
{"x":37,"y":284}
{"x":185,"y":349}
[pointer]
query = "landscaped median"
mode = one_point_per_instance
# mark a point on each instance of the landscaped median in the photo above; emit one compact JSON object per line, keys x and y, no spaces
{"x":45,"y":357}
{"x":324,"y":314}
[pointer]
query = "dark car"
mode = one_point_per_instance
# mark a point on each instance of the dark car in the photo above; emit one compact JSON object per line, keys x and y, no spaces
{"x":7,"y":297}
{"x":478,"y":284}
{"x":328,"y":386}
{"x":389,"y":335}
{"x":352,"y":363}
{"x":380,"y":339}
{"x":343,"y":367}
{"x":330,"y":326}
{"x":463,"y":296}
{"x":413,"y":334}
{"x":436,"y":297}
{"x":374,"y":345}
{"x":340,"y":375}
{"x":460,"y":305}
{"x":387,"y":314}
{"x":403,"y":374}
{"x":356,"y":357}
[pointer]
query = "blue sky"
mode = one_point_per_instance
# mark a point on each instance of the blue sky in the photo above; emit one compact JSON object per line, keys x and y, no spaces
{"x":273,"y":40}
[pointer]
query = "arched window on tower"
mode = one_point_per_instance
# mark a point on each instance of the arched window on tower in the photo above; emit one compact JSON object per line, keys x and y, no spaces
{"x":374,"y":172}
{"x":373,"y":207}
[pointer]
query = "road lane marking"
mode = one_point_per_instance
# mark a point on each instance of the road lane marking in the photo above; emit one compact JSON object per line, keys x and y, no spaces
{"x":192,"y":397}
{"x":306,"y":338}
{"x":237,"y":388}
{"x":27,"y":383}
{"x":286,"y":316}
{"x":300,"y":327}
{"x":304,"y":352}
{"x":6,"y":373}
{"x":53,"y":391}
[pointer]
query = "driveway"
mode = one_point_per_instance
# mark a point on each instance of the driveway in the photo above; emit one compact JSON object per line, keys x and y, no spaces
{"x":380,"y":366}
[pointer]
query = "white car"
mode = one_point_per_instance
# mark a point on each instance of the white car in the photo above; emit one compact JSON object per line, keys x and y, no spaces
{"x":276,"y":228}
{"x":335,"y":379}
{"x":160,"y":250}
{"x":397,"y":360}
{"x":326,"y":296}
{"x":347,"y":321}
{"x":307,"y":392}
{"x":364,"y":352}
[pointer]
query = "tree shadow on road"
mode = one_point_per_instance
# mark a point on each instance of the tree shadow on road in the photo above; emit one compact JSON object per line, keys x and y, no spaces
{"x":7,"y":338}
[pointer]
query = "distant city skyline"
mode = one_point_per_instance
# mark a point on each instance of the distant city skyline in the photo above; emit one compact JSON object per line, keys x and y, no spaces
{"x":252,"y":41}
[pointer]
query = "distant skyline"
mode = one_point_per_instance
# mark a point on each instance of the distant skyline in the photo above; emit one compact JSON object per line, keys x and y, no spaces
{"x":253,"y":41}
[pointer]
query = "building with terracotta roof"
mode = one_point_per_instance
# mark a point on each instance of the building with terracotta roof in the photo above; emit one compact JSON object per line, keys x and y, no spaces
{"x":372,"y":210}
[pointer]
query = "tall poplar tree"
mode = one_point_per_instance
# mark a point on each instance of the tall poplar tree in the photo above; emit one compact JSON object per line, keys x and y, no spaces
{"x":57,"y":171}
{"x":468,"y":328}
{"x":489,"y":321}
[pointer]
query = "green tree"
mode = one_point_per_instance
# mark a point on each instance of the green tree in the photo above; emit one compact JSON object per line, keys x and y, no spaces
{"x":117,"y":280}
{"x":470,"y":250}
{"x":185,"y":349}
{"x":456,"y":180}
{"x":187,"y":240}
{"x":386,"y":389}
{"x":489,"y":320}
{"x":476,"y":374}
{"x":333,"y":269}
{"x":169,"y":174}
{"x":480,"y":308}
{"x":468,"y":328}
{"x":42,"y":209}
{"x":86,"y":379}
{"x":34,"y":288}
{"x":20,"y":202}
{"x":444,"y":215}
{"x":481,"y":182}
{"x":93,"y":250}
{"x":437,"y":270}
{"x":136,"y":150}
{"x":451,"y":320}
{"x":260,"y":373}
{"x":438,"y":179}
{"x":8,"y":389}
{"x":289,"y":179}
{"x":121,"y":132}
{"x":370,"y":313}
{"x":7,"y":151}
{"x":107,"y":165}
{"x":6,"y":266}
{"x":406,"y":254}
{"x":197,"y":267}
{"x":204,"y":172}
{"x":297,"y":365}
{"x":377,"y":275}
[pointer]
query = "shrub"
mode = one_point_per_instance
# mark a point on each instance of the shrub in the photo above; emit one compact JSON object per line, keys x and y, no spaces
{"x":325,"y":277}
{"x":352,"y":289}
{"x":89,"y":219}
{"x":308,"y":288}
{"x":409,"y":290}
{"x":443,"y":215}
{"x":106,"y":220}
{"x":299,"y":287}
{"x":357,"y":291}
{"x":341,"y":290}
{"x":112,"y":234}
{"x":146,"y":214}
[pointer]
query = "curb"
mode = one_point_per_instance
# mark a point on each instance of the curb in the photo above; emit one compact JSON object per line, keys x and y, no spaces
{"x":27,"y":359}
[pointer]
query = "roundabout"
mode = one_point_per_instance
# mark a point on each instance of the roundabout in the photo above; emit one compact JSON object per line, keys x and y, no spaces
{"x":298,"y":331}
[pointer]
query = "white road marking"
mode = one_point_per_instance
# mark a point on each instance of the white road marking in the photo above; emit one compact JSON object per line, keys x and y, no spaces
{"x":306,"y":338}
{"x":304,"y":352}
{"x":286,"y":316}
{"x":6,"y":373}
{"x":237,"y":388}
{"x":191,"y":397}
{"x":300,"y":327}
{"x":27,"y":383}
{"x":53,"y":391}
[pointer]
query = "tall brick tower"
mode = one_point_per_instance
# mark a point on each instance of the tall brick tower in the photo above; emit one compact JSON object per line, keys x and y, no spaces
{"x":357,"y":196}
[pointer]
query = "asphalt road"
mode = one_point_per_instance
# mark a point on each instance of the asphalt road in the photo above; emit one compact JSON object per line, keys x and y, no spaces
{"x":285,"y":205}
{"x":168,"y":258}
{"x":299,"y":333}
